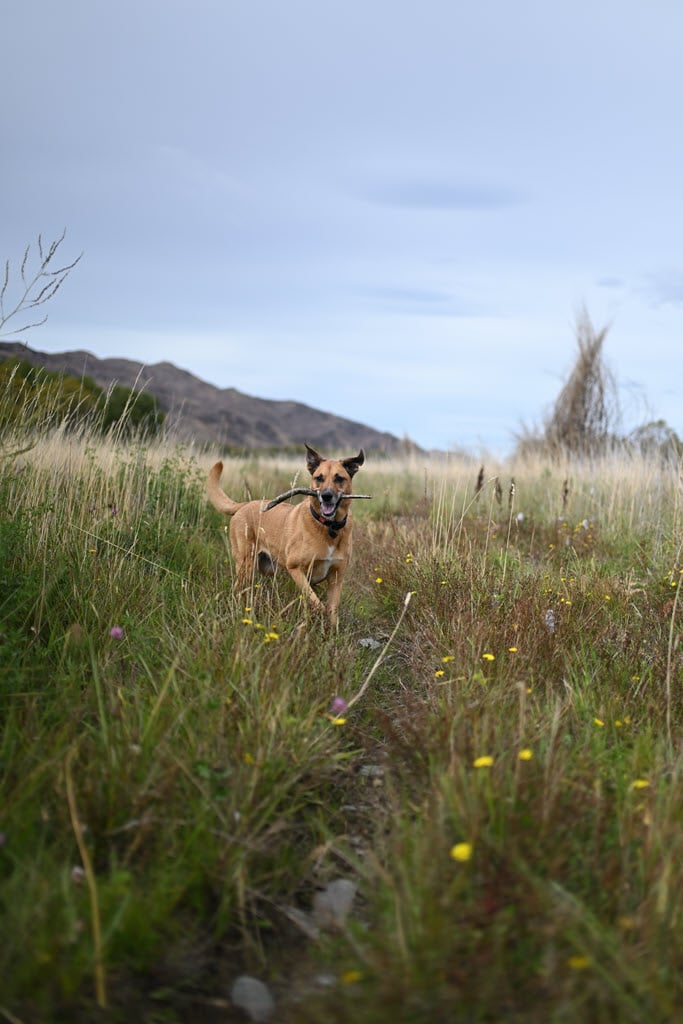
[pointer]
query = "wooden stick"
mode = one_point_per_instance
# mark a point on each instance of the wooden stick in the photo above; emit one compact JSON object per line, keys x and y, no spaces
{"x":305,"y":490}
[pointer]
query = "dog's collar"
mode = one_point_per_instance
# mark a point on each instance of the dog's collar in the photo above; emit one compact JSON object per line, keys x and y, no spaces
{"x":333,"y":525}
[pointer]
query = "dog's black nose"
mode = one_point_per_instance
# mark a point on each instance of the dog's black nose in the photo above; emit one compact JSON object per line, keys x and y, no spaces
{"x":328,"y":494}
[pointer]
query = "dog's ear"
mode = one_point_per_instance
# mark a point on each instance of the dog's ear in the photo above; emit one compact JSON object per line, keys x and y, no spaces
{"x":353,"y":464}
{"x":313,"y":460}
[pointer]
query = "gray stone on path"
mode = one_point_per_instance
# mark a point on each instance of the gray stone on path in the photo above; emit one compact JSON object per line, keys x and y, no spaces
{"x":332,"y":906}
{"x":252,"y":996}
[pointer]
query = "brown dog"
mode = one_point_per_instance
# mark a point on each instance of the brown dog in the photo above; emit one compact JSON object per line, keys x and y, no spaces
{"x":312,"y":540}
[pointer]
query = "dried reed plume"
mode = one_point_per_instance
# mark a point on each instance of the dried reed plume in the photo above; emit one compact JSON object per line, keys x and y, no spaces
{"x":586,"y":415}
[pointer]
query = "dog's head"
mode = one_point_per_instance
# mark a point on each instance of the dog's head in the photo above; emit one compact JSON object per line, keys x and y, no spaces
{"x":332,"y":478}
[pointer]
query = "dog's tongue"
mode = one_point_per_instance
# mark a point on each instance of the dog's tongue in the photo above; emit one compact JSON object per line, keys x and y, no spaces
{"x":328,"y":508}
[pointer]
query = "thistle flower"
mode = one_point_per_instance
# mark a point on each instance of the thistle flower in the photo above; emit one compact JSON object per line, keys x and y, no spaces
{"x":116,"y":632}
{"x":338,"y":706}
{"x":336,"y":712}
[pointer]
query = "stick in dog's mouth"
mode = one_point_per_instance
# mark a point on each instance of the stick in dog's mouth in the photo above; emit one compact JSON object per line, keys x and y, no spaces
{"x":309,"y":491}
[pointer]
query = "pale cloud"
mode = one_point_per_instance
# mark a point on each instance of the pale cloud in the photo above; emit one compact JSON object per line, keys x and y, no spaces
{"x":665,"y":288}
{"x":441,"y":195}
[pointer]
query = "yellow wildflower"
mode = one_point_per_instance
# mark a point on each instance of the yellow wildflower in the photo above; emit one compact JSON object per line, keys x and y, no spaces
{"x":483,"y":762}
{"x":579,"y":963}
{"x":461,"y":852}
{"x":351,"y":977}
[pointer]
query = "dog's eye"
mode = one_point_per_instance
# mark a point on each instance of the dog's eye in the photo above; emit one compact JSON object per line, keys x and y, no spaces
{"x":339,"y":479}
{"x":319,"y":479}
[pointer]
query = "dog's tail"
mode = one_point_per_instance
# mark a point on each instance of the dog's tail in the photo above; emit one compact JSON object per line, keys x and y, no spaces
{"x":217,"y":496}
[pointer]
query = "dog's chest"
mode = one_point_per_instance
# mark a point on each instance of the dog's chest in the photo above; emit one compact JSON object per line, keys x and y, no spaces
{"x":323,"y":564}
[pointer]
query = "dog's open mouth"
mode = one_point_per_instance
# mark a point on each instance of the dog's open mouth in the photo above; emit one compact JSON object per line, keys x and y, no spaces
{"x":328,"y":504}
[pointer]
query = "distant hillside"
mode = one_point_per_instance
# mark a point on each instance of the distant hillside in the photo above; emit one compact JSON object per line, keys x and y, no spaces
{"x":199,"y":411}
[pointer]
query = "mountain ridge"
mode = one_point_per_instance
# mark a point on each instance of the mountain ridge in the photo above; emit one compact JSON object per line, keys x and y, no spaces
{"x":199,"y":411}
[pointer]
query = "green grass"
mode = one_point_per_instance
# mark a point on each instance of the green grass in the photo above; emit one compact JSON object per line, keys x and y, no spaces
{"x":172,"y":797}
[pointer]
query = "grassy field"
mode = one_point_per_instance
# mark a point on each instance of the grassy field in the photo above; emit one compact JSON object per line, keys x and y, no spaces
{"x":178,"y":787}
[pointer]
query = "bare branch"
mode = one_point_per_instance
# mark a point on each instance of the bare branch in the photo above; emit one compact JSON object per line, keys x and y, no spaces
{"x":37,"y":287}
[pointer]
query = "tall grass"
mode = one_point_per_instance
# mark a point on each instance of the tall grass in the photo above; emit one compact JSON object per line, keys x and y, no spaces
{"x":505,"y":792}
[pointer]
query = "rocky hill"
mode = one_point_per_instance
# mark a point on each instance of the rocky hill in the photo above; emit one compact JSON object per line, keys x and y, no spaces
{"x":196,"y":410}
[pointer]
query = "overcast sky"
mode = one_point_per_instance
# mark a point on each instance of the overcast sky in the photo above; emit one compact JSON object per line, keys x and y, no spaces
{"x":391,"y":211}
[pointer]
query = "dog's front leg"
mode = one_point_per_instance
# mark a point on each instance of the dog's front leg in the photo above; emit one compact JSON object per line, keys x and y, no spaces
{"x":334,"y":589}
{"x":304,"y":584}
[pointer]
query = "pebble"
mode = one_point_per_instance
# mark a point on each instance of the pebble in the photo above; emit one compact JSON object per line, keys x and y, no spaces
{"x":252,"y":996}
{"x":332,"y":906}
{"x":370,"y":643}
